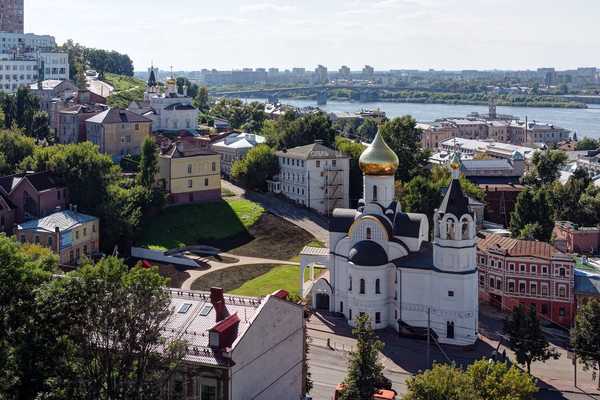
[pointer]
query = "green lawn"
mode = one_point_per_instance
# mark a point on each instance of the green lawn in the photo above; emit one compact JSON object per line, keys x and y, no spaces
{"x":122,"y":82}
{"x":127,"y":89}
{"x":254,"y":280}
{"x":184,"y":225}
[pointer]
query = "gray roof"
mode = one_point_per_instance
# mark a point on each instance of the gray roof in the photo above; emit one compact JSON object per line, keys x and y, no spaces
{"x":499,"y":164}
{"x":368,"y":254}
{"x":342,"y":219}
{"x":311,"y":152}
{"x":406,"y":224}
{"x":455,"y":201}
{"x":64,"y":220}
{"x":117,"y":116}
{"x":587,"y":284}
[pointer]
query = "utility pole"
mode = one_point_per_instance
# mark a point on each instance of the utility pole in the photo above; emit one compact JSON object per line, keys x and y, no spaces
{"x":428,"y":337}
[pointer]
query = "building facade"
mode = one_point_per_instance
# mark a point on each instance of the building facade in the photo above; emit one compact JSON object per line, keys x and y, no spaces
{"x":69,"y":234}
{"x":118,"y":132}
{"x":189,"y":174}
{"x":381,"y":263}
{"x":572,"y":238}
{"x":234,"y":147}
{"x":12,"y":16}
{"x":314,"y":176}
{"x":71,"y":122}
{"x":238,"y":347}
{"x":533,"y":274}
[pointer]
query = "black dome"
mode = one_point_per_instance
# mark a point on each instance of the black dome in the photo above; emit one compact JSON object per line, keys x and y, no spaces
{"x":368,"y":253}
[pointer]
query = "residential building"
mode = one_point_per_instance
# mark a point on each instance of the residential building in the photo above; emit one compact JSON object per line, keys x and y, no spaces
{"x":169,"y":111}
{"x":189,"y":174}
{"x":573,"y":238}
{"x":12,"y":16}
{"x":29,"y":195}
{"x":314,"y":176}
{"x":432,"y":134}
{"x":68,"y":233}
{"x":54,"y":64}
{"x":72,"y":122}
{"x":238,"y":347}
{"x":380,"y":261}
{"x":234,"y":147}
{"x":500,"y":200}
{"x":530,"y":273}
{"x":50,"y":89}
{"x":118,"y":132}
{"x":25,"y":42}
{"x":16,"y":72}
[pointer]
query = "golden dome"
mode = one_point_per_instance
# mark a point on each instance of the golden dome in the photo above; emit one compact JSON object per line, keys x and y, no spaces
{"x":171,"y":81}
{"x":378,"y":159}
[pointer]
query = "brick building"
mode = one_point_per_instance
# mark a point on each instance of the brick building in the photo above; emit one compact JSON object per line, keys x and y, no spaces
{"x":534,"y":274}
{"x":12,"y":15}
{"x":500,"y":201}
{"x":572,"y":238}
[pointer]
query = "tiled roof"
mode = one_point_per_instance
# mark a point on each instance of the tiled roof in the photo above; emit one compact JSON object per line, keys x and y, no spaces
{"x":64,"y":220}
{"x":519,"y":248}
{"x":40,"y":180}
{"x":117,"y":116}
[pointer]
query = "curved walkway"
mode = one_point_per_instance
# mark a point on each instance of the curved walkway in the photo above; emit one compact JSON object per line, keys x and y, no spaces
{"x":216,"y":266}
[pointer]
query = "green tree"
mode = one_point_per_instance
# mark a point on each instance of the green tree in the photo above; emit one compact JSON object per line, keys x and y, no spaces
{"x":291,"y":130}
{"x":9,"y":109}
{"x":148,"y":164}
{"x":587,"y":144}
{"x":114,"y":348}
{"x":240,"y":114}
{"x":259,"y":164}
{"x":365,"y":370}
{"x":585,"y":336}
{"x":421,"y":195}
{"x":547,"y":166}
{"x":442,"y":382}
{"x":201,"y":100}
{"x":526,"y":338}
{"x":40,"y":128}
{"x":533,"y":206}
{"x":567,"y":198}
{"x":402,"y":135}
{"x":498,"y":381}
{"x":367,"y":130}
{"x":14,"y":148}
{"x":26,"y":352}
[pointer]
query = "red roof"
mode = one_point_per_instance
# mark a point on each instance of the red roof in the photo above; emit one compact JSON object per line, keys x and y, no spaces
{"x":226,"y":324}
{"x":518,"y":248}
{"x":282,"y":294}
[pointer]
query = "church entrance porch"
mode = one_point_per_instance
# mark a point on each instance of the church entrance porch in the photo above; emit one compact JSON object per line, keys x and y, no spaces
{"x":322,"y":301}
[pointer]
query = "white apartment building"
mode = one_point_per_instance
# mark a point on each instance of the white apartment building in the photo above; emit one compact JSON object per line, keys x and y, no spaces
{"x":314,"y":176}
{"x":234,"y":148}
{"x":15,"y":73}
{"x":55,"y":65}
{"x":25,"y":41}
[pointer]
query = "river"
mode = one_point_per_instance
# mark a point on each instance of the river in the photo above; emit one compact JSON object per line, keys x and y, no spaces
{"x":586,"y":122}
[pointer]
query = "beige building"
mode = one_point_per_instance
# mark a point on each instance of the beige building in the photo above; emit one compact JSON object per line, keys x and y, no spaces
{"x":189,"y":174}
{"x":69,"y":234}
{"x":118,"y":132}
{"x":432,"y":134}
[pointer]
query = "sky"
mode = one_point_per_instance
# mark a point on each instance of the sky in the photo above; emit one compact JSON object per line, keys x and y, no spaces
{"x":387,"y":34}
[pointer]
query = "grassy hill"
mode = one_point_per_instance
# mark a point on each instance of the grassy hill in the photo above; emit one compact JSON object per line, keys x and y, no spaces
{"x":127,"y":89}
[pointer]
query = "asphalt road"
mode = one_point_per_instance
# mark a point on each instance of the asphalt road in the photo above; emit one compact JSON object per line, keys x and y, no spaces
{"x":328,"y":368}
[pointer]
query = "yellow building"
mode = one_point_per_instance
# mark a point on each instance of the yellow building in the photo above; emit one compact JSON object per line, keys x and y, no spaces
{"x":69,"y":234}
{"x":118,"y":132}
{"x":189,"y":174}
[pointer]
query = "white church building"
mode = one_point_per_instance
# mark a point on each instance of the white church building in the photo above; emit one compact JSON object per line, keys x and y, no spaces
{"x":169,"y":111}
{"x":380,"y":260}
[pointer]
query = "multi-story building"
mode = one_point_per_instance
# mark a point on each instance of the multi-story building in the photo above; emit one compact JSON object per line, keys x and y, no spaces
{"x":189,"y":174}
{"x":432,"y":134}
{"x":234,"y":147}
{"x":314,"y":176}
{"x":50,"y":89}
{"x":70,"y":234}
{"x":25,"y":42}
{"x":573,"y":238}
{"x":28,"y":196}
{"x":118,"y":132}
{"x":16,"y":72}
{"x":12,"y":16}
{"x":238,"y":347}
{"x":71,"y":122}
{"x":54,"y":64}
{"x":533,"y":274}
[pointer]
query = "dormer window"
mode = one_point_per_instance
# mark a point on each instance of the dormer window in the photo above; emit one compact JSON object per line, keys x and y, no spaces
{"x":369,"y":234}
{"x":374,"y":193}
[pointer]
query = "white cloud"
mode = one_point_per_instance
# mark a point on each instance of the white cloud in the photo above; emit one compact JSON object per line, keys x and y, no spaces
{"x":267,"y":7}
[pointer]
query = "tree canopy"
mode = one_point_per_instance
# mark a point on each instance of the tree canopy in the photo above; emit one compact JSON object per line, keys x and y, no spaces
{"x":546,"y":166}
{"x":248,"y":116}
{"x":259,"y":164}
{"x":533,"y":215}
{"x":292,"y":130}
{"x":585,"y":336}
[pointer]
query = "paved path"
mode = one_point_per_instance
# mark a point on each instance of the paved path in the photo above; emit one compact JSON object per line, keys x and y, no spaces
{"x":216,"y":266}
{"x":313,"y":223}
{"x":100,"y":88}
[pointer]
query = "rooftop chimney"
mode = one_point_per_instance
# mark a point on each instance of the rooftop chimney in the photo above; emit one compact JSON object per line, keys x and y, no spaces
{"x":218,"y":302}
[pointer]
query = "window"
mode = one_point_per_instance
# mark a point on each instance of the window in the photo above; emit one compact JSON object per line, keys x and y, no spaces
{"x":190,"y":183}
{"x":84,"y":231}
{"x":205,"y":181}
{"x":492,"y":280}
{"x":450,"y":293}
{"x":94,"y":228}
{"x":482,"y":260}
{"x":362,"y":286}
{"x":374,"y":193}
{"x":208,"y":393}
{"x":522,"y":268}
{"x":50,"y":241}
{"x":71,"y":258}
{"x":533,"y":289}
{"x":85,"y":249}
{"x":533,"y":269}
{"x":492,"y":263}
{"x":76,"y":234}
{"x":77,"y":253}
{"x":350,"y":284}
{"x":377,"y":317}
{"x":450,"y":330}
{"x":544,"y":290}
{"x":342,"y":307}
{"x":213,"y":166}
{"x":184,"y":308}
{"x":481,"y":280}
{"x":37,"y":239}
{"x":189,"y":168}
{"x":511,"y":286}
{"x":544,"y":270}
{"x":333,"y":163}
{"x":561,"y":272}
{"x":377,"y":287}
{"x":521,"y":287}
{"x":318,"y":164}
{"x":369,"y":234}
{"x":511,"y":267}
{"x":350,"y":314}
{"x":137,"y":127}
{"x":562,"y":291}
{"x":561,"y":311}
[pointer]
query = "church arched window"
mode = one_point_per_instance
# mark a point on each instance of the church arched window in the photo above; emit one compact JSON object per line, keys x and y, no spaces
{"x":450,"y":229}
{"x":350,"y":284}
{"x":374,"y":192}
{"x":377,"y":287}
{"x":450,"y":329}
{"x":362,"y":286}
{"x":465,"y":230}
{"x":369,"y":234}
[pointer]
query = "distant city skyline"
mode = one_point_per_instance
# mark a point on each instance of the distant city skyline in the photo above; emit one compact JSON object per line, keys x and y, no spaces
{"x":387,"y":34}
